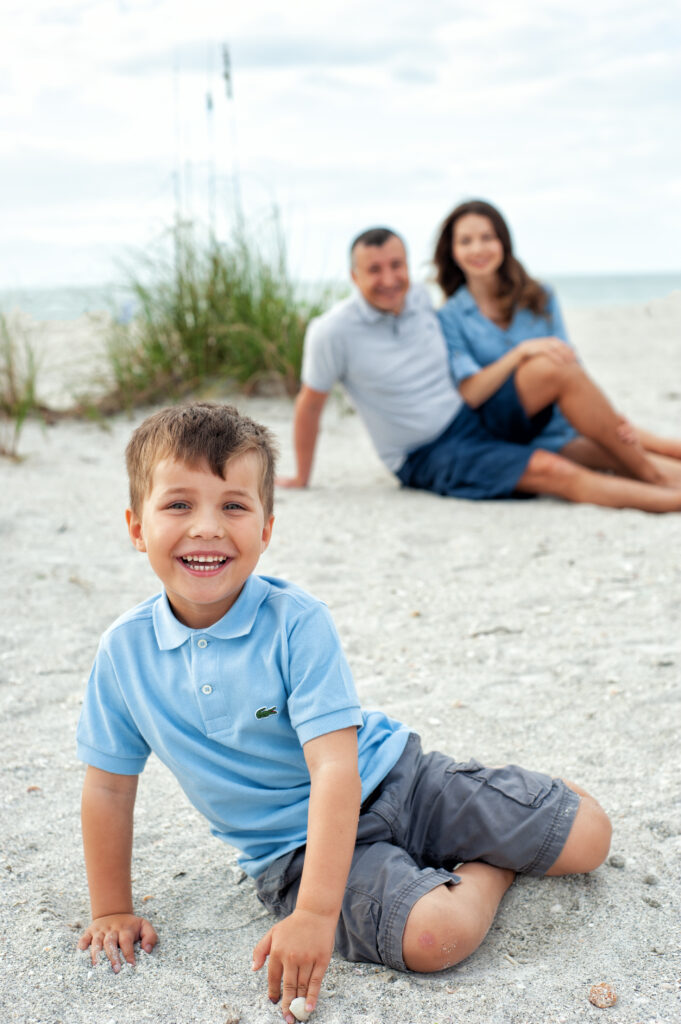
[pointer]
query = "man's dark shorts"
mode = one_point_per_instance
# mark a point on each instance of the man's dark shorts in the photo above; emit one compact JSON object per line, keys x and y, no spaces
{"x":428,"y":815}
{"x":482,"y":453}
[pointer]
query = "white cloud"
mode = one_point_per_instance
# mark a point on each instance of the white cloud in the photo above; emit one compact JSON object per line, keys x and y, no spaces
{"x":343,"y":114}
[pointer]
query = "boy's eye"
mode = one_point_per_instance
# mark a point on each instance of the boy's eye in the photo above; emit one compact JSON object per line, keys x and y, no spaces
{"x":233,"y":506}
{"x":178,"y":504}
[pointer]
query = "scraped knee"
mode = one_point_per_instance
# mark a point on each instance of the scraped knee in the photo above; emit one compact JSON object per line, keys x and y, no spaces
{"x":435,"y":937}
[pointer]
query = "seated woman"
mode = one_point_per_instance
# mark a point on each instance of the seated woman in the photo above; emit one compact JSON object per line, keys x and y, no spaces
{"x":512,"y":362}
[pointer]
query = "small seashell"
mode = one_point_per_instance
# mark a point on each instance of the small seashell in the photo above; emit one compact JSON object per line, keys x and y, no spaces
{"x":298,"y":1010}
{"x":602,"y":995}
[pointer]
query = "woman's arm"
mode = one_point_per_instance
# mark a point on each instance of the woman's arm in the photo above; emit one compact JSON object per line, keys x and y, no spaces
{"x":482,"y":385}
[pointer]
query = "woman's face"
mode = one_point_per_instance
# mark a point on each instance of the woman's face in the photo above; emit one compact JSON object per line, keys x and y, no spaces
{"x":476,"y":247}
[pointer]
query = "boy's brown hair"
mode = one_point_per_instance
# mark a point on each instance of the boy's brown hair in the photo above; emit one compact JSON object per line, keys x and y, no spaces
{"x":193,"y":433}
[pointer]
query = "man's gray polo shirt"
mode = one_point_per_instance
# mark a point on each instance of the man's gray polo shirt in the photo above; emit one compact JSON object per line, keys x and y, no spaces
{"x":394,"y":369}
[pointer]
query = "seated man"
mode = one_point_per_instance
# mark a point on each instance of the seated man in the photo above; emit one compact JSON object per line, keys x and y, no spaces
{"x":385,"y":346}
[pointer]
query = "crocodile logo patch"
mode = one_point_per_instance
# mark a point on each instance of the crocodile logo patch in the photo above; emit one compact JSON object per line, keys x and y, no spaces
{"x":265,"y":712}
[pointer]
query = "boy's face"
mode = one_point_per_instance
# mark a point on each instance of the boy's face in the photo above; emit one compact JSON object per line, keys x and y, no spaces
{"x":203,"y":535}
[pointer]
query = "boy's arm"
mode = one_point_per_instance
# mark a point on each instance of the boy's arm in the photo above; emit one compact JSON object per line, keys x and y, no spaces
{"x":107,"y":819}
{"x":300,"y":946}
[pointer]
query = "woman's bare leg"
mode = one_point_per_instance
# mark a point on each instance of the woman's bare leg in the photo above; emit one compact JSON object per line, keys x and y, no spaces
{"x":547,"y":473}
{"x":669,"y":446}
{"x":589,"y":453}
{"x":540,"y":381}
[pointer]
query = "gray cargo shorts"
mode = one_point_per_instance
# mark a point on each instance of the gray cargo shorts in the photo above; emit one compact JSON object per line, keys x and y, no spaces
{"x":429,"y":814}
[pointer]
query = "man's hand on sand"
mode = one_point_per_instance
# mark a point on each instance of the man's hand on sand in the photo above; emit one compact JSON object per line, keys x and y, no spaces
{"x":117,"y":934}
{"x":290,"y":481}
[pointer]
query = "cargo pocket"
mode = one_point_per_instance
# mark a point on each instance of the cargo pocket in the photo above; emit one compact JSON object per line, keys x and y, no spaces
{"x":524,"y":787}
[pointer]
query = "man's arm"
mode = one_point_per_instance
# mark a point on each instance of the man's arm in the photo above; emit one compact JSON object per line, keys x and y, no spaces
{"x":307,"y":412}
{"x":300,"y":946}
{"x":107,"y":819}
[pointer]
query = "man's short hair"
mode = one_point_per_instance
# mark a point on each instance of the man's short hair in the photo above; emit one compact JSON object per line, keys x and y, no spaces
{"x":373,"y":236}
{"x":194,"y":433}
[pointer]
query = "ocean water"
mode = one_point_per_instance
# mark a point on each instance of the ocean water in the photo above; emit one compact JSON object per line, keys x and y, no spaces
{"x":574,"y":291}
{"x":597,"y":290}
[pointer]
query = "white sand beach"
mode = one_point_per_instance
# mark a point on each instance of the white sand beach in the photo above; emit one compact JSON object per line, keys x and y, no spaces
{"x":529,"y":631}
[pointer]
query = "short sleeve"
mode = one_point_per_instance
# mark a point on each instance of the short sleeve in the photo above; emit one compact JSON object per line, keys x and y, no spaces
{"x":461,"y":362}
{"x":323,"y":697}
{"x":322,"y":357}
{"x":107,"y":737}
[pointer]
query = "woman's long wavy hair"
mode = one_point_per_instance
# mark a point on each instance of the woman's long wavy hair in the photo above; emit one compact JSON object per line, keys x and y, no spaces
{"x":516,"y":287}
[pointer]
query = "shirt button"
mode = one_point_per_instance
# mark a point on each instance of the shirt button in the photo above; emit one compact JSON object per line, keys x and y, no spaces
{"x":202,"y":642}
{"x":206,"y":688}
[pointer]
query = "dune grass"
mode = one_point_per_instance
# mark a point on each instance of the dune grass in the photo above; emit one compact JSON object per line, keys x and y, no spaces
{"x":206,"y":312}
{"x":18,"y":376}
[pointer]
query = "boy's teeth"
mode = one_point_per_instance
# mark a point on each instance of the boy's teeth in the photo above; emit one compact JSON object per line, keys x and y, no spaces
{"x":208,"y":560}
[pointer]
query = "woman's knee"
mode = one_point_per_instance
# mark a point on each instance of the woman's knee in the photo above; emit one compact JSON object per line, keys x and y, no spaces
{"x":544,"y":372}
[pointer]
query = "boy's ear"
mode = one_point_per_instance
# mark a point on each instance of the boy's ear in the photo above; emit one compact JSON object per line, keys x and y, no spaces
{"x":266,"y":534}
{"x":135,"y":529}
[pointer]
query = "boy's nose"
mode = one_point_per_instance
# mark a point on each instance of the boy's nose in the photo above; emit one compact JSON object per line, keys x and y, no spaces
{"x":206,"y":524}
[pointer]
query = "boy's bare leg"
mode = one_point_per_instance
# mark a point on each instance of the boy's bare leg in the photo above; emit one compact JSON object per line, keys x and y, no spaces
{"x":547,"y":473}
{"x":541,"y":381}
{"x":449,"y":923}
{"x":588,"y":841}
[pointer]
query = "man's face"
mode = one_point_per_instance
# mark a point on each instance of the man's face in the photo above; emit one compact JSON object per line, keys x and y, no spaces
{"x":381,"y":274}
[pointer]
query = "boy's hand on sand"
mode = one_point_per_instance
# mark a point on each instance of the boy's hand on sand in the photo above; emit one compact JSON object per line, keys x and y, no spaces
{"x":117,"y":934}
{"x":299,"y":950}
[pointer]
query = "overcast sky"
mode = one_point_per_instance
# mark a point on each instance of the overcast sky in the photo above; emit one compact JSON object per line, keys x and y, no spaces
{"x":565,"y":113}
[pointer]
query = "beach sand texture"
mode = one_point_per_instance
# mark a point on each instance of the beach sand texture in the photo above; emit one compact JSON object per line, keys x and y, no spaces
{"x":528,"y":631}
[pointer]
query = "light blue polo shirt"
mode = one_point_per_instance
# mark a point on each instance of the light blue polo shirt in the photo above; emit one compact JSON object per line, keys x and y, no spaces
{"x":473,"y":341}
{"x":229,"y":708}
{"x":394,"y":369}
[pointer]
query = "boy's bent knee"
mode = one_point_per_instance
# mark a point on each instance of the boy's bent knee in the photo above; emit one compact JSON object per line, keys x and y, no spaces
{"x":588,"y":841}
{"x":435,"y":935}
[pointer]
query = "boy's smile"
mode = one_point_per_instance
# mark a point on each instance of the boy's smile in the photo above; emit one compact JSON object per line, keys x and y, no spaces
{"x":203,"y":535}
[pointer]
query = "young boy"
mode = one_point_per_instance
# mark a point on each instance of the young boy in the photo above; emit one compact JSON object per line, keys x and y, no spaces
{"x":238,"y":683}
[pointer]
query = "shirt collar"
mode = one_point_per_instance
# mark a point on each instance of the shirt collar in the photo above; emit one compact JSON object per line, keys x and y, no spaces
{"x":239,"y":620}
{"x":374,"y":316}
{"x":465,"y":300}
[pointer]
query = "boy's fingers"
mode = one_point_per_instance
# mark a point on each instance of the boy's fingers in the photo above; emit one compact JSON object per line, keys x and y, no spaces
{"x":274,"y":972}
{"x":290,"y":991}
{"x":314,"y":987}
{"x":112,"y":951}
{"x":95,"y":949}
{"x":148,"y":936}
{"x":127,"y":944}
{"x":304,"y":974}
{"x":262,"y":950}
